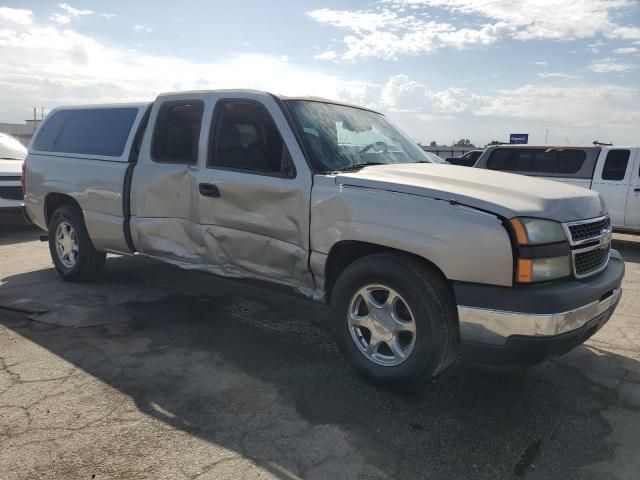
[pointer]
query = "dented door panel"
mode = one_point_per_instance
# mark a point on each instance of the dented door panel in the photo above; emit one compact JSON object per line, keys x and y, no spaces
{"x":258,"y":225}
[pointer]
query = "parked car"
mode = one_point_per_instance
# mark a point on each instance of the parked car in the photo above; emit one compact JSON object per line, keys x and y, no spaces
{"x":12,"y":154}
{"x":613,"y":172}
{"x":467,"y":160}
{"x":433,"y":158}
{"x":419,"y":261}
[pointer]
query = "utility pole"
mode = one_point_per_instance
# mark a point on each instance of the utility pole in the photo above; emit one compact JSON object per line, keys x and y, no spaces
{"x":546,"y":137}
{"x":41,"y":113}
{"x":34,"y":119}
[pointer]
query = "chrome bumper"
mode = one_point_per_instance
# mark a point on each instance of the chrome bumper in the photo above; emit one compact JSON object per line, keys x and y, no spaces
{"x":494,"y":327}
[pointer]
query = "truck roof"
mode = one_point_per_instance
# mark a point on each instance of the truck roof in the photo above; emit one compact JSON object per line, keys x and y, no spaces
{"x":103,"y":105}
{"x":238,"y":91}
{"x":557,"y":147}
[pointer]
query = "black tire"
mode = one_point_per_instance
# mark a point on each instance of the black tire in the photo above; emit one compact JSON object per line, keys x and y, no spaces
{"x":89,"y":262}
{"x":431,"y":302}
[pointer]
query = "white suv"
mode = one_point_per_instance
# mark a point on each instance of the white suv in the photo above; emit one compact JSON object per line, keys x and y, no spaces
{"x":12,"y":154}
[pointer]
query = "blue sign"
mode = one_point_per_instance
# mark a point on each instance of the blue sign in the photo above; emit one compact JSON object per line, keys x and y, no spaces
{"x":519,"y":138}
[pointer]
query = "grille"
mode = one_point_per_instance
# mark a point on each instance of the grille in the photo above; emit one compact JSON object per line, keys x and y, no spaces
{"x":591,"y":261}
{"x":10,"y":178}
{"x":11,"y":193}
{"x":584,"y":231}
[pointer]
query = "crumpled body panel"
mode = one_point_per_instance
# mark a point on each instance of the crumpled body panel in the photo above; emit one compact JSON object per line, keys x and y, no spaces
{"x":224,"y":251}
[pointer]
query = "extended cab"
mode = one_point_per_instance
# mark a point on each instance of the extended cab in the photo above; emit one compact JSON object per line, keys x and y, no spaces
{"x":419,"y":261}
{"x":613,"y":172}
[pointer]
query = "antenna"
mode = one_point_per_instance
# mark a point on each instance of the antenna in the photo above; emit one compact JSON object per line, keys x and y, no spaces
{"x":602,"y":144}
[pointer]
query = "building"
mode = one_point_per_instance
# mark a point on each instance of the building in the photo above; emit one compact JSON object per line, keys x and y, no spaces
{"x":448,"y":152}
{"x":21,"y":131}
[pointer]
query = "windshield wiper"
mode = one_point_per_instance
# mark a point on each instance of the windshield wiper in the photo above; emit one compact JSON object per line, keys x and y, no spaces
{"x":357,"y":166}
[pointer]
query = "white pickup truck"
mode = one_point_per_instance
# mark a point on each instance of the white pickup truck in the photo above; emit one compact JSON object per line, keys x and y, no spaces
{"x":613,"y":172}
{"x":419,"y":261}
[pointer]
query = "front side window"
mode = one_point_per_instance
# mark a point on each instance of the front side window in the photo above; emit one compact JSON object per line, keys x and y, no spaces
{"x":175,"y":139}
{"x":338,"y":137}
{"x":615,"y":165}
{"x":247,"y":138}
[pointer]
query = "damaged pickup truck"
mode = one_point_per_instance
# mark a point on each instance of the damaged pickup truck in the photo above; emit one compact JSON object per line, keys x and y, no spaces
{"x":420,"y":262}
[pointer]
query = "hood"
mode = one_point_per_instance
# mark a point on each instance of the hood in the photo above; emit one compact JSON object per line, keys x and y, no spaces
{"x":504,"y":194}
{"x":10,"y":168}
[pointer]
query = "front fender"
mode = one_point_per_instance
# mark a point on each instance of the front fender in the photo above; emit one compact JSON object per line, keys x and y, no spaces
{"x":467,"y":245}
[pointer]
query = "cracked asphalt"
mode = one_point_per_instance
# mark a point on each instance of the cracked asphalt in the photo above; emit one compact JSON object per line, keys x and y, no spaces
{"x":154,"y":372}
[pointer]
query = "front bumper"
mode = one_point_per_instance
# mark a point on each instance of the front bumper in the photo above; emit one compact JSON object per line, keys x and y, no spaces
{"x":549,"y":319}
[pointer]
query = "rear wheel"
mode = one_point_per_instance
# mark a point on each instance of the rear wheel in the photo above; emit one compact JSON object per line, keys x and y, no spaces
{"x":72,"y":251}
{"x":394,"y":319}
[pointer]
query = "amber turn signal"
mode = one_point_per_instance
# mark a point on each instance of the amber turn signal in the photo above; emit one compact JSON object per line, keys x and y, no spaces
{"x":521,"y":233}
{"x":524,"y":270}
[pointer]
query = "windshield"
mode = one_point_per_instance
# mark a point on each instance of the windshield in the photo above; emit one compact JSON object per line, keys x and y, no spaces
{"x":11,"y":149}
{"x":340,"y":137}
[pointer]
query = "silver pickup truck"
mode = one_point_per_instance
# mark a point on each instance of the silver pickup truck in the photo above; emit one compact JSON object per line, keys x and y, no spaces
{"x":419,"y":261}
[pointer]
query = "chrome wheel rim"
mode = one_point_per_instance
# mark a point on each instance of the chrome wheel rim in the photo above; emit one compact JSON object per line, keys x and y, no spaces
{"x":66,"y":244}
{"x":382,"y":325}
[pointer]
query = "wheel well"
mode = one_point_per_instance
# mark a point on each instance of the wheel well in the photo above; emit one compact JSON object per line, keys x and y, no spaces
{"x":53,"y":201}
{"x":344,"y":253}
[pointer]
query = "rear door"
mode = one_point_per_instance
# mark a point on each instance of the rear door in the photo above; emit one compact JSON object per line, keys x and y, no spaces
{"x":611,"y":179}
{"x":163,"y":185}
{"x":253,"y":196}
{"x":632,"y":209}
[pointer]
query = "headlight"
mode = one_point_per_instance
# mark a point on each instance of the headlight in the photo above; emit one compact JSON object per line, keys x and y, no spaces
{"x":540,"y":269}
{"x":534,"y":231}
{"x":543,"y":250}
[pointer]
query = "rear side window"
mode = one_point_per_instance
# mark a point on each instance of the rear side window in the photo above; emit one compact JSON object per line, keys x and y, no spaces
{"x":537,"y":161}
{"x":87,"y":131}
{"x":175,"y":139}
{"x":247,"y":138}
{"x":615,"y":165}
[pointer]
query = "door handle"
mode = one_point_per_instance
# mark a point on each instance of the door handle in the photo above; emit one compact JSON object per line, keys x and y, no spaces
{"x":637,"y":189}
{"x":209,"y":190}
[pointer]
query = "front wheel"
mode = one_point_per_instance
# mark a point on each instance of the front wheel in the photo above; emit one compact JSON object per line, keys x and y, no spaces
{"x":394,"y":319}
{"x":72,"y":251}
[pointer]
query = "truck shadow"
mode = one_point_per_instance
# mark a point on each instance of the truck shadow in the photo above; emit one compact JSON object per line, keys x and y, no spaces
{"x":256,"y":372}
{"x":19,"y":233}
{"x":629,"y":247}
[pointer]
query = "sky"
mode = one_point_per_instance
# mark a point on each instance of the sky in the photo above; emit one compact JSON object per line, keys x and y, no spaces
{"x":566,"y":70}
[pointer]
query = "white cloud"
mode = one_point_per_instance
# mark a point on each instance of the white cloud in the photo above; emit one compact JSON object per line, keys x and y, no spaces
{"x":60,"y":18}
{"x":586,"y":106}
{"x":328,"y":55}
{"x":608,"y":65}
{"x":108,"y":16}
{"x":74,"y":12}
{"x":541,"y":64}
{"x":69,"y":13}
{"x":555,"y":75}
{"x":401,"y":94}
{"x":16,"y":15}
{"x":142,"y":28}
{"x":626,"y":50}
{"x":387,"y":33}
{"x":49,"y":65}
{"x":397,"y":30}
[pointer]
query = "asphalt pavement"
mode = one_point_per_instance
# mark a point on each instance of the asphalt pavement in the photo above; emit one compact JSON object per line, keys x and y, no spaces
{"x":155,"y":372}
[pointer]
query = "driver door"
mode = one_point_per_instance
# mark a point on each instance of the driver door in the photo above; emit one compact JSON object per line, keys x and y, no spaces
{"x":252,"y":202}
